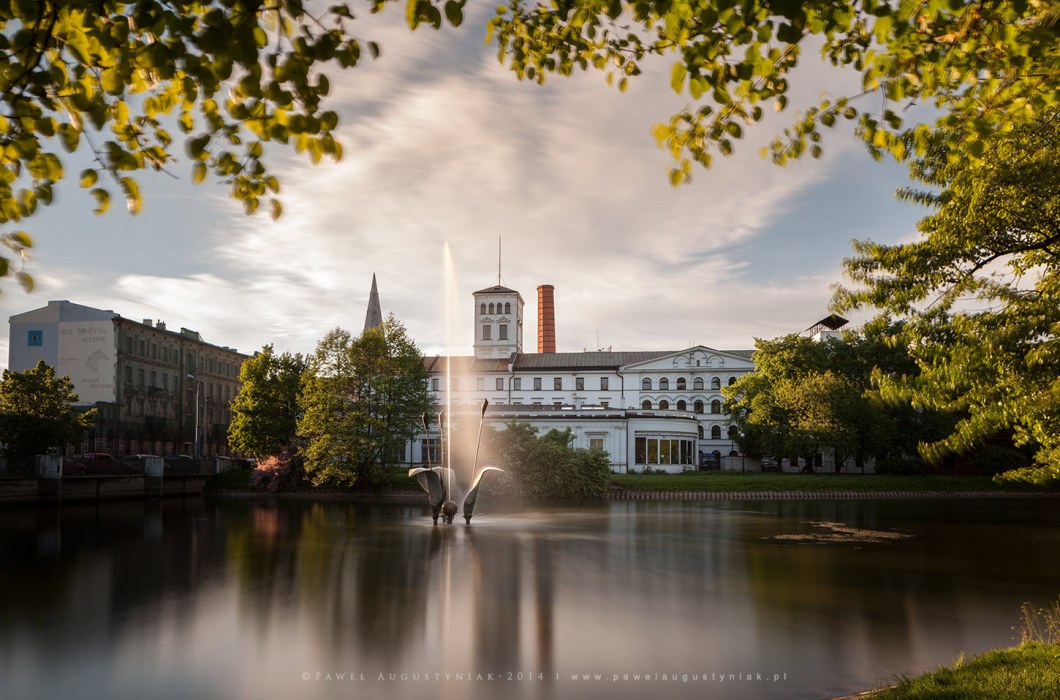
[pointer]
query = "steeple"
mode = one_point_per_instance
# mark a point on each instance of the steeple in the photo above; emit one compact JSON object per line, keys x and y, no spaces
{"x":374,"y":317}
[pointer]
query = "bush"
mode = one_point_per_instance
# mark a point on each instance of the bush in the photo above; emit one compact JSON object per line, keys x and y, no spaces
{"x":901,"y":466}
{"x":281,"y":472}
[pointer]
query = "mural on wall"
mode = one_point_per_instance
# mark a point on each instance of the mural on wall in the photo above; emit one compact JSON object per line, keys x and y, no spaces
{"x":87,"y":354}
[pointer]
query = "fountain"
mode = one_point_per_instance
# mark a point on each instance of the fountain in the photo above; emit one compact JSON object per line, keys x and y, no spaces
{"x":437,"y":482}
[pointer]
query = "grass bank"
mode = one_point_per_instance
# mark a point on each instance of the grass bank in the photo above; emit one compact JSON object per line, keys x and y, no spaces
{"x":772,"y":481}
{"x":1031,"y":670}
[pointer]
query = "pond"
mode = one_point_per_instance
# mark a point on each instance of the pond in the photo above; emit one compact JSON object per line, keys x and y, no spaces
{"x":186,"y":598}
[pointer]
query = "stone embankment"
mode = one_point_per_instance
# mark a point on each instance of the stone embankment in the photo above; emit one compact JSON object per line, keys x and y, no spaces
{"x":630,"y":495}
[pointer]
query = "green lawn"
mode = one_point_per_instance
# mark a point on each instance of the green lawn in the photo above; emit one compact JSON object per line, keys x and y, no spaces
{"x":772,"y":481}
{"x":1028,"y":671}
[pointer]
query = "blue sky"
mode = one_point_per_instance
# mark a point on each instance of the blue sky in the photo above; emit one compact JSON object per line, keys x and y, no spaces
{"x":442,"y":144}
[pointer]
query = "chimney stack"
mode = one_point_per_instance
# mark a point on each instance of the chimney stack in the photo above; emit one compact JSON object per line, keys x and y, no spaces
{"x":546,"y":319}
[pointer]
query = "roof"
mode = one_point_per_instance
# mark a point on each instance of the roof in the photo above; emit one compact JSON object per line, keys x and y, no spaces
{"x":497,"y":289}
{"x":559,"y":361}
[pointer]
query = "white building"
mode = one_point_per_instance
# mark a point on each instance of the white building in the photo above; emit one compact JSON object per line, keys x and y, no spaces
{"x":662,"y":409}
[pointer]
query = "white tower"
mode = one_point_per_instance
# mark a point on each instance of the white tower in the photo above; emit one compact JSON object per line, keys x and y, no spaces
{"x":498,"y":322}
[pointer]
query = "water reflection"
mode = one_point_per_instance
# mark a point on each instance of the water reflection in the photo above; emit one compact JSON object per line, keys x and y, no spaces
{"x":186,"y":598}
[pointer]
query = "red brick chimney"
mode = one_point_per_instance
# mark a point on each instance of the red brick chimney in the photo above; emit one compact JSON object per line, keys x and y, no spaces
{"x":546,"y":319}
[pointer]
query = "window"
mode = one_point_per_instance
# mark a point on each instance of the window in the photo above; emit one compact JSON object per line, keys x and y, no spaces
{"x":645,"y":384}
{"x":664,"y":405}
{"x":697,"y":384}
{"x":715,"y":406}
{"x":715,"y":383}
{"x":579,"y":383}
{"x":603,"y":383}
{"x":697,"y":407}
{"x":681,"y":385}
{"x":482,"y":309}
{"x":682,"y":406}
{"x":500,"y":383}
{"x":664,"y":384}
{"x":434,"y":383}
{"x":646,"y":405}
{"x":517,"y":383}
{"x":480,"y":383}
{"x":557,"y":384}
{"x":537,"y":383}
{"x":507,"y":307}
{"x":732,"y":380}
{"x":715,"y":432}
{"x":503,"y":334}
{"x":491,"y":309}
{"x":487,"y":332}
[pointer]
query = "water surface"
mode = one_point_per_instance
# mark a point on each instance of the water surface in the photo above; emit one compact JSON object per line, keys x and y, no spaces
{"x":739,"y":599}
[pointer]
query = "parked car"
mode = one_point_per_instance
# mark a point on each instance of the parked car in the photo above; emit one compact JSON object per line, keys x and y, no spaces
{"x":95,"y":463}
{"x":181,"y":464}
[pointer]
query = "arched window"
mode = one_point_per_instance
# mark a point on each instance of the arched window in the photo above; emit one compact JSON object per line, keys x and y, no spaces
{"x":682,"y":406}
{"x":715,"y":406}
{"x":732,"y":380}
{"x":482,"y":308}
{"x":664,"y":384}
{"x":698,"y":406}
{"x":733,"y":432}
{"x":715,"y":432}
{"x":682,"y":385}
{"x":645,"y":384}
{"x":715,"y":383}
{"x":664,"y":405}
{"x":697,"y":384}
{"x":507,"y":307}
{"x":491,"y":309}
{"x":646,"y":405}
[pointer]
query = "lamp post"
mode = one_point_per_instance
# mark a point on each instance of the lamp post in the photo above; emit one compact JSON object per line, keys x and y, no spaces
{"x":197,"y":449}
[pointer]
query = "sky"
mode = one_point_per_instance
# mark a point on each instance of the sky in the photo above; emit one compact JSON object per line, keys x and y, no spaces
{"x":443,"y":145}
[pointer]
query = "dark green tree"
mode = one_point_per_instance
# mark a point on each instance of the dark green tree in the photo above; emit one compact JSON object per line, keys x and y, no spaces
{"x":38,"y":412}
{"x":265,"y":412}
{"x":547,"y":467}
{"x":980,"y":295}
{"x":805,"y":396}
{"x":362,"y":399}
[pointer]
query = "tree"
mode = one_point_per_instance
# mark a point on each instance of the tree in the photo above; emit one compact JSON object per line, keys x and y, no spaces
{"x":806,"y":396}
{"x":547,"y":467}
{"x":38,"y":412}
{"x":980,"y":294}
{"x":265,"y":412}
{"x":987,"y":66}
{"x":116,"y":76}
{"x":361,"y":400}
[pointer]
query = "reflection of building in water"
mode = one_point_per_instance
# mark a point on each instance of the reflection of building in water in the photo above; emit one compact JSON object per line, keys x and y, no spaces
{"x":140,"y":376}
{"x":661,"y":409}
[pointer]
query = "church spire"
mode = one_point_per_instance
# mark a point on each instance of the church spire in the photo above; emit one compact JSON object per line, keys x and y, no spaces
{"x":374,"y":317}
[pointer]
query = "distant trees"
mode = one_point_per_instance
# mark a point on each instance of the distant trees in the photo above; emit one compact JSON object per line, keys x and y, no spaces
{"x":266,"y":410}
{"x":38,"y":412}
{"x":806,"y":396}
{"x":361,"y":400}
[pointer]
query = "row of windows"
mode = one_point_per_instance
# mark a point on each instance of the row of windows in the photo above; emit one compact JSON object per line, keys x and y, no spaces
{"x":168,"y":355}
{"x":682,"y":405}
{"x":502,"y":332}
{"x":484,"y":309}
{"x":682,"y":384}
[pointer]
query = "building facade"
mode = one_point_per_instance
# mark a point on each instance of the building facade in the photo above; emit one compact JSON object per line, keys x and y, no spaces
{"x":648,"y":410}
{"x":156,"y":391}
